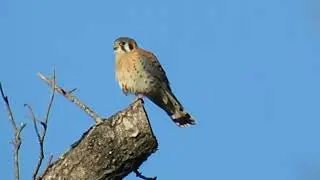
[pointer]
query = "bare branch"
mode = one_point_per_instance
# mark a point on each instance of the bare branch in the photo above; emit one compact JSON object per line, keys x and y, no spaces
{"x":40,"y":141}
{"x":34,"y":120}
{"x":50,"y":160}
{"x":17,"y":135}
{"x":72,"y":90}
{"x":140,"y":175}
{"x":6,"y":100}
{"x":17,"y":144}
{"x":48,"y":165}
{"x":44,"y":123}
{"x":72,"y":98}
{"x":51,"y":100}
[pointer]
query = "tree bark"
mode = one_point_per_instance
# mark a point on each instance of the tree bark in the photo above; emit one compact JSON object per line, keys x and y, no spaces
{"x":110,"y":149}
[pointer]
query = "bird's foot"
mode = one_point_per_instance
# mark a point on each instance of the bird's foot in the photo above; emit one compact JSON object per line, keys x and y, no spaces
{"x":139,"y":97}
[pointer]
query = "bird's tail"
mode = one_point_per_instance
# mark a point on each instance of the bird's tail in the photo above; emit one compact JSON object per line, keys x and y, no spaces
{"x":168,"y":102}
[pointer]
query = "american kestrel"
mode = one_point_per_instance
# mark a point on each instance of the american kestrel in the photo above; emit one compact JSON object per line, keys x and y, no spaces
{"x":139,"y":72}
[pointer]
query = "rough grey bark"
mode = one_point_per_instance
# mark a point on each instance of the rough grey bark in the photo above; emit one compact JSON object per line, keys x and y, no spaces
{"x":110,"y":149}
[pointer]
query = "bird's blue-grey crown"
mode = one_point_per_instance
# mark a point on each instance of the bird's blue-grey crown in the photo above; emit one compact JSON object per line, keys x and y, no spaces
{"x":123,"y":39}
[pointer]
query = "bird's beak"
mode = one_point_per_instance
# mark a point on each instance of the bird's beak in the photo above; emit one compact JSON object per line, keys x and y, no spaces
{"x":115,"y":47}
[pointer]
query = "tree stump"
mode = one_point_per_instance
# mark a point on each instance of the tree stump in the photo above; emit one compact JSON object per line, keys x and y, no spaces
{"x":110,"y":149}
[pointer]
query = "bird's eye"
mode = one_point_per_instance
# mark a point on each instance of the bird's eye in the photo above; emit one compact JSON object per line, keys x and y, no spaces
{"x":121,"y":43}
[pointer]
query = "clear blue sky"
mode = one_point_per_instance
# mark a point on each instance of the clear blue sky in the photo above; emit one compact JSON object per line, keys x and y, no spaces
{"x":248,"y":70}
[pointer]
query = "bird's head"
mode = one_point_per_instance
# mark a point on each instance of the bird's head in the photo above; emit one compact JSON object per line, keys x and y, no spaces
{"x":124,"y":45}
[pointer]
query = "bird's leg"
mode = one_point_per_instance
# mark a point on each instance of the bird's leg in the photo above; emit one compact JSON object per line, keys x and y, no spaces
{"x":124,"y":89}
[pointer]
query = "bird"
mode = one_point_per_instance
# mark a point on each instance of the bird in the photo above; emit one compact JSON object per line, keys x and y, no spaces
{"x":139,"y":72}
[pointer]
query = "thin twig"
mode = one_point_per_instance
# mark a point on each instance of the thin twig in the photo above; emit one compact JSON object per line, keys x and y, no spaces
{"x":139,"y":175}
{"x":72,"y":98}
{"x":73,"y":90}
{"x":6,"y":100}
{"x":51,"y":99}
{"x":48,"y":165}
{"x":34,"y":120}
{"x":39,"y":137}
{"x":50,"y":160}
{"x":17,"y":135}
{"x":44,"y":123}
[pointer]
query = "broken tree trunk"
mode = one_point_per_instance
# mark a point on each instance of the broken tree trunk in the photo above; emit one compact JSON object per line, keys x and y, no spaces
{"x":110,"y":149}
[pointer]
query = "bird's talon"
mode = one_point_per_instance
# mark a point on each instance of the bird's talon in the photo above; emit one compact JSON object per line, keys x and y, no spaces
{"x":139,"y":97}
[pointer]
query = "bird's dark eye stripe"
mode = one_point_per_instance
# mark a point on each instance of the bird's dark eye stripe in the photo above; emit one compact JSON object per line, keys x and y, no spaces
{"x":123,"y":48}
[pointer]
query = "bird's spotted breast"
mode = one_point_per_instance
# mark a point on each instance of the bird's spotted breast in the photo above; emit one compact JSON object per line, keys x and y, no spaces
{"x":132,"y":74}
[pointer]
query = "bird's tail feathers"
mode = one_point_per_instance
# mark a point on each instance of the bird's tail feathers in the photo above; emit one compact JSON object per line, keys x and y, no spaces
{"x":177,"y":113}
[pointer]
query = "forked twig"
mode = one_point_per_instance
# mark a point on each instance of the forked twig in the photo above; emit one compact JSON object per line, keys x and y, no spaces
{"x":17,"y":138}
{"x":44,"y":123}
{"x":72,"y":98}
